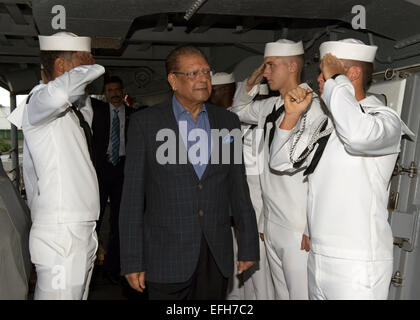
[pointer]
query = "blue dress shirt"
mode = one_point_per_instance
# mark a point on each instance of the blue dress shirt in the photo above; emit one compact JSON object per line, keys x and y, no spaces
{"x":191,"y":131}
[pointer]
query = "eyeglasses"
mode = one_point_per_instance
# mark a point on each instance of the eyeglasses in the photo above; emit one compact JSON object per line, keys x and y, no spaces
{"x":192,"y":75}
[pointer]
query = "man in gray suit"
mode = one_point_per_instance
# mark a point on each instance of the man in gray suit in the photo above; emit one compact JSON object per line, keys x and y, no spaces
{"x":180,"y":242}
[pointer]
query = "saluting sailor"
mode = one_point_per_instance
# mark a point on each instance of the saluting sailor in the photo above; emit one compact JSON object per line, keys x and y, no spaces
{"x":349,"y":169}
{"x":60,"y":179}
{"x":256,"y":283}
{"x":284,"y":196}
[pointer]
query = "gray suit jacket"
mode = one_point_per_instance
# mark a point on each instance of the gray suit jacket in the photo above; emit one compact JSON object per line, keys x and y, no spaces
{"x":163,"y":237}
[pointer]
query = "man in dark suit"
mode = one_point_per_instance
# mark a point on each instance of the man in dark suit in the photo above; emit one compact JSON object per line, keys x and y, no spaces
{"x":181,"y":244}
{"x":109,"y":125}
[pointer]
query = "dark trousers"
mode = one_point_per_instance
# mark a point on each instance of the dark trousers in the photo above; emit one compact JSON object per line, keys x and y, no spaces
{"x":110,"y":179}
{"x":206,"y":283}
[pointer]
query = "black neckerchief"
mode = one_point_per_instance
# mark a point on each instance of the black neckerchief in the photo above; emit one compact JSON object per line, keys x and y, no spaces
{"x":84,"y":125}
{"x":322,"y":142}
{"x":272,"y":117}
{"x":86,"y":129}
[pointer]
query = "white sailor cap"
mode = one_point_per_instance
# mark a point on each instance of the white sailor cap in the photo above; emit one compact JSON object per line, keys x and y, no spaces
{"x":64,"y":41}
{"x":222,"y":78}
{"x":349,"y":49}
{"x":283,"y":48}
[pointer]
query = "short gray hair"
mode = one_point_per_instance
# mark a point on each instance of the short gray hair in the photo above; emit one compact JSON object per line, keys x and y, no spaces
{"x":184,"y":50}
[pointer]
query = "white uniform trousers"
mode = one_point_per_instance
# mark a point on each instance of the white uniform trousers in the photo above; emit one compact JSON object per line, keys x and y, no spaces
{"x":64,"y":256}
{"x":255,"y":283}
{"x":258,"y":283}
{"x":345,"y":279}
{"x":288,"y":263}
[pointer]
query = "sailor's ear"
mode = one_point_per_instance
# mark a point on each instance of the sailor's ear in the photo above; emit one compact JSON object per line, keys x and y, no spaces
{"x":293,"y":66}
{"x":59,"y":66}
{"x":354,"y":73}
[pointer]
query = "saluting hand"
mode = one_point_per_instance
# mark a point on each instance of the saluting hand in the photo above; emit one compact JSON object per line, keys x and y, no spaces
{"x":255,"y":78}
{"x":331,"y":65}
{"x":85,"y":58}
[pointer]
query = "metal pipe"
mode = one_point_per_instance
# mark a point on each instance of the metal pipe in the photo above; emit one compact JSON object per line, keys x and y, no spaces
{"x":398,"y":45}
{"x":328,"y":30}
{"x":193,"y":9}
{"x":405,"y":68}
{"x":407,"y":42}
{"x":371,"y":42}
{"x":391,"y":59}
{"x":15,"y":146}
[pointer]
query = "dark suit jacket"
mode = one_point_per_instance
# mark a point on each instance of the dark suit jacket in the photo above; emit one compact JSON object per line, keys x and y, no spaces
{"x":164,"y":239}
{"x":101,"y":130}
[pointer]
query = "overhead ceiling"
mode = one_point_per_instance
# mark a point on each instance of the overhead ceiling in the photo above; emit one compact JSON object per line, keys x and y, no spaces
{"x":128,"y":33}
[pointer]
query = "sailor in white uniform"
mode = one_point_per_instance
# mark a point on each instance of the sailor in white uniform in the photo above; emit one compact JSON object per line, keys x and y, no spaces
{"x":349,"y":170}
{"x":59,"y":176}
{"x":256,"y":283}
{"x":223,"y":89}
{"x":284,"y":195}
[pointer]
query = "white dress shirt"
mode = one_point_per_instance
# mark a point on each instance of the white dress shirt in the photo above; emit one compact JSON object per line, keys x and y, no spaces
{"x":284,"y":195}
{"x":59,"y":176}
{"x":348,"y":191}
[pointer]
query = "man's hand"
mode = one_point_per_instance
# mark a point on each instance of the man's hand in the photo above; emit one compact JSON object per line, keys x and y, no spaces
{"x":306,"y":243}
{"x":331,"y":65}
{"x":255,"y":78}
{"x":84,"y":57}
{"x":297,"y":100}
{"x":244,"y":265}
{"x":295,"y":103}
{"x":262,"y":237}
{"x":136,"y":280}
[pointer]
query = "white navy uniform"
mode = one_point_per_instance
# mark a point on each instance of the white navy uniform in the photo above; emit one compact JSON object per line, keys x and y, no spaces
{"x":258,"y":282}
{"x":284,"y":201}
{"x":351,"y":240}
{"x":61,"y":184}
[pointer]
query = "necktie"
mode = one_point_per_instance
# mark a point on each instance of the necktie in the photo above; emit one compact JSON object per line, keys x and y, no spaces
{"x":272,"y":117}
{"x":115,"y":138}
{"x":86,"y":129}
